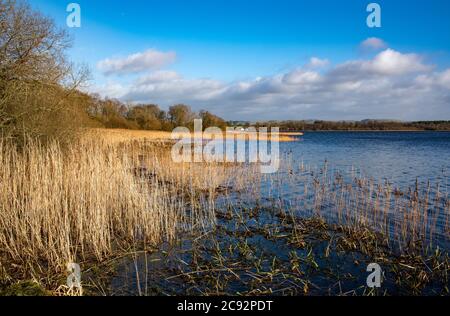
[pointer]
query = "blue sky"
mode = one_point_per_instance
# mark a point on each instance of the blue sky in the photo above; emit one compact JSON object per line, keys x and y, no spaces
{"x":233,"y":56}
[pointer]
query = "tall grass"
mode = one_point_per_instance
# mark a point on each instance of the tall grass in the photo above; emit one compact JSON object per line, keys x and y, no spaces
{"x":60,"y":205}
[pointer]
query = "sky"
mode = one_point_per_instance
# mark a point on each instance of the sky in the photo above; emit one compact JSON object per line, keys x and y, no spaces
{"x":266,"y":59}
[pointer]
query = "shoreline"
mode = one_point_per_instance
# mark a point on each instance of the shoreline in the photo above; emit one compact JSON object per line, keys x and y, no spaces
{"x":118,"y":135}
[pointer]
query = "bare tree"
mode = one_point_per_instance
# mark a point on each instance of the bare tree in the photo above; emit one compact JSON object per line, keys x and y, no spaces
{"x":181,"y":115}
{"x":36,"y":80}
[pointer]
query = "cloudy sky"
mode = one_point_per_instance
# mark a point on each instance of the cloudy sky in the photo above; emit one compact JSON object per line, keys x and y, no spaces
{"x":260,"y":59}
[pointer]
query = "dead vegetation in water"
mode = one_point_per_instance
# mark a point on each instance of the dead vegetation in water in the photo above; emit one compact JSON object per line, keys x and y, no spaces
{"x":261,"y":252}
{"x":412,"y":217}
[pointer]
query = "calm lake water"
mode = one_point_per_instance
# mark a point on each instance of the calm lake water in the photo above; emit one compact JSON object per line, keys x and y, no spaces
{"x":399,"y":157}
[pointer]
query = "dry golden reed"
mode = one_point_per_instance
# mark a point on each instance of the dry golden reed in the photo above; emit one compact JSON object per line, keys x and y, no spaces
{"x":120,"y":135}
{"x":65,"y":205}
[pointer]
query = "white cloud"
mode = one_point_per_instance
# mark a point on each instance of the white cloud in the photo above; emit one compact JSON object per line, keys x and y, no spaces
{"x":149,"y":60}
{"x":159,"y":76}
{"x":315,"y":62}
{"x":386,"y":63}
{"x":301,"y":77}
{"x":444,"y":79}
{"x":390,"y":85}
{"x":373,"y":43}
{"x":110,"y":89}
{"x":170,"y":87}
{"x":391,"y":62}
{"x":429,"y":80}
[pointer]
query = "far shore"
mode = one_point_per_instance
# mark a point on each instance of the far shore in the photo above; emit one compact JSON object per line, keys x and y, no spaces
{"x":120,"y":135}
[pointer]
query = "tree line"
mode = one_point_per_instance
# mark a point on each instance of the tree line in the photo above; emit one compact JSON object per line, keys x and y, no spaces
{"x":365,"y":125}
{"x":111,"y":113}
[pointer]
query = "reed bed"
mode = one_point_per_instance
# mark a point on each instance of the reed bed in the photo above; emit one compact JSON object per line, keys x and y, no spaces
{"x":60,"y":205}
{"x":121,"y":135}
